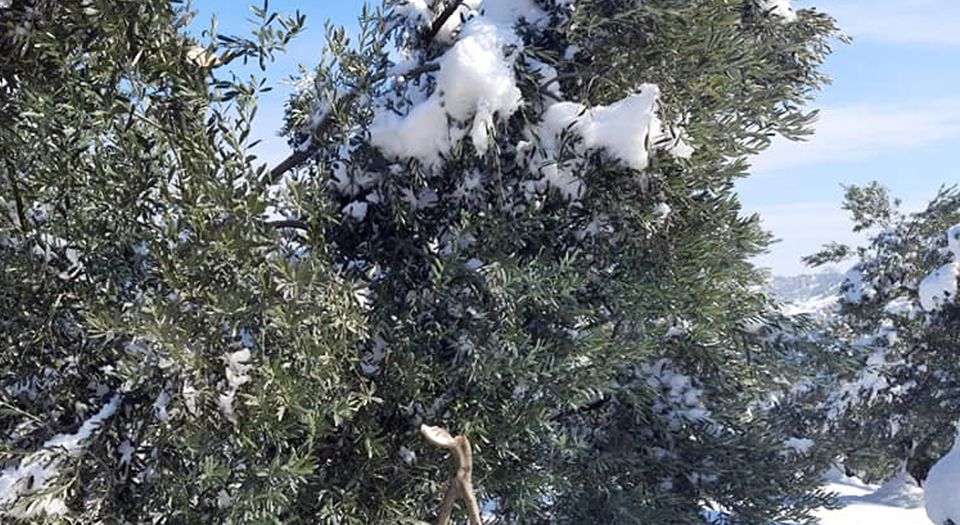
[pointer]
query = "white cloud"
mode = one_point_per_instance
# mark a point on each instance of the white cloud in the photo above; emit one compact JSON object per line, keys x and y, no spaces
{"x":864,"y":131}
{"x":932,"y":22}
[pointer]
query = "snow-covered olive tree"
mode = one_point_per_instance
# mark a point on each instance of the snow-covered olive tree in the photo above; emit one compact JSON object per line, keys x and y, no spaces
{"x":511,"y":218}
{"x":898,"y":313}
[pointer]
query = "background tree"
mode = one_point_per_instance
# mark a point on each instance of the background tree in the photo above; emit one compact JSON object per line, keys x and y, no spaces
{"x":898,"y":314}
{"x":513,"y":219}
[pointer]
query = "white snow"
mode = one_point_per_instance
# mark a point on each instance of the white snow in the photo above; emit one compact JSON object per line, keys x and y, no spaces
{"x":942,"y":488}
{"x":868,"y":383}
{"x":416,"y":11}
{"x":356,"y":210}
{"x":476,"y":78}
{"x":940,"y":287}
{"x":901,"y":307}
{"x":898,"y":502}
{"x":953,"y":241}
{"x":854,"y":289}
{"x":408,"y":456}
{"x":661,"y":210}
{"x":548,"y":76}
{"x":779,"y":8}
{"x":682,"y":149}
{"x":475,"y":83}
{"x":237,"y":372}
{"x":37,"y":471}
{"x":818,"y":307}
{"x":622,"y":128}
{"x":678,"y":400}
{"x":798,"y":445}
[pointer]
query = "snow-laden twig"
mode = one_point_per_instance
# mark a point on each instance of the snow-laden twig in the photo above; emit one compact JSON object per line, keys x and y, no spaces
{"x":37,"y":471}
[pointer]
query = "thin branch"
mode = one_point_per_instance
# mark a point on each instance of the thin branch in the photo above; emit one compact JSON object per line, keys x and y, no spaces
{"x":441,"y":20}
{"x":17,"y":198}
{"x":296,"y":224}
{"x":300,"y":156}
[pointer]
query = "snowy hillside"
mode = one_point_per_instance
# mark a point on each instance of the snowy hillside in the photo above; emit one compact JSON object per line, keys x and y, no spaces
{"x":807,"y":294}
{"x":803,"y":287}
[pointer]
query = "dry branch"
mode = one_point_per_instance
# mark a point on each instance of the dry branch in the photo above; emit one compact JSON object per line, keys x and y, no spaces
{"x":461,"y":483}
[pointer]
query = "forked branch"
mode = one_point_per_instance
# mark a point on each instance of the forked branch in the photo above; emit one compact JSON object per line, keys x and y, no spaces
{"x":461,"y":483}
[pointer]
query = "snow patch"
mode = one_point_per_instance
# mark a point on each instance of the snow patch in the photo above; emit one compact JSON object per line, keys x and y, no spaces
{"x":797,"y":445}
{"x":622,"y":130}
{"x":940,"y":287}
{"x":779,"y":8}
{"x":953,"y":241}
{"x":37,"y":471}
{"x":897,"y":502}
{"x":854,"y":289}
{"x":942,"y":488}
{"x":475,"y":82}
{"x":237,"y":372}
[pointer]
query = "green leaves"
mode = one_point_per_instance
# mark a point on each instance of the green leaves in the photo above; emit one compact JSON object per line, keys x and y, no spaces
{"x":276,"y":371}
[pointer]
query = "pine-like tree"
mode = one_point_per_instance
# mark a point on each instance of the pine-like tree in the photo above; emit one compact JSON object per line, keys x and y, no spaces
{"x":515,"y":219}
{"x":899,"y":316}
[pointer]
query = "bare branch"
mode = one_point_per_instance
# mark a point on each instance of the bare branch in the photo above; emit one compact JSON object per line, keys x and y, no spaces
{"x":288,"y":223}
{"x":461,"y":483}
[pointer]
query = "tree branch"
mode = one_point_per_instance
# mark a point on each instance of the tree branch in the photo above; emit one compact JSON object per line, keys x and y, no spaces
{"x":461,"y":483}
{"x":300,"y":156}
{"x":17,"y":198}
{"x":441,"y":20}
{"x":288,"y":223}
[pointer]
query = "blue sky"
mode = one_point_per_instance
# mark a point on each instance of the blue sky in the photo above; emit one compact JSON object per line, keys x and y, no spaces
{"x":892,"y":114}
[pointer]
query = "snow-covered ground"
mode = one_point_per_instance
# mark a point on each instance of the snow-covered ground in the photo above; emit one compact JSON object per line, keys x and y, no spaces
{"x":898,"y":502}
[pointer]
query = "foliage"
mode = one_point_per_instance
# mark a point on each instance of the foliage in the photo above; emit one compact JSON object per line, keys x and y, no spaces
{"x":609,"y":353}
{"x":889,"y":413}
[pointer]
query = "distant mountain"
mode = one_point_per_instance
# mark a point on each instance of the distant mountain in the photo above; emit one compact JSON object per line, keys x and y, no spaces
{"x":806,"y":287}
{"x":810,"y":294}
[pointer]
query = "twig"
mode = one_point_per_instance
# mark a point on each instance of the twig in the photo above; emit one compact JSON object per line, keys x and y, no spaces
{"x":288,"y":223}
{"x":17,"y":198}
{"x":441,"y":20}
{"x":461,"y":483}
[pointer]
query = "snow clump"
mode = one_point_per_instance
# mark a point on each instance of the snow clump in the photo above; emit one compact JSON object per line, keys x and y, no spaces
{"x":940,"y":287}
{"x":476,"y":82}
{"x":779,"y":8}
{"x":942,"y":487}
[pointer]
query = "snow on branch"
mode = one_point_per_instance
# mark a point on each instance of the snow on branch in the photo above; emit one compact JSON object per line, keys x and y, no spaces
{"x":476,"y":82}
{"x":37,"y":471}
